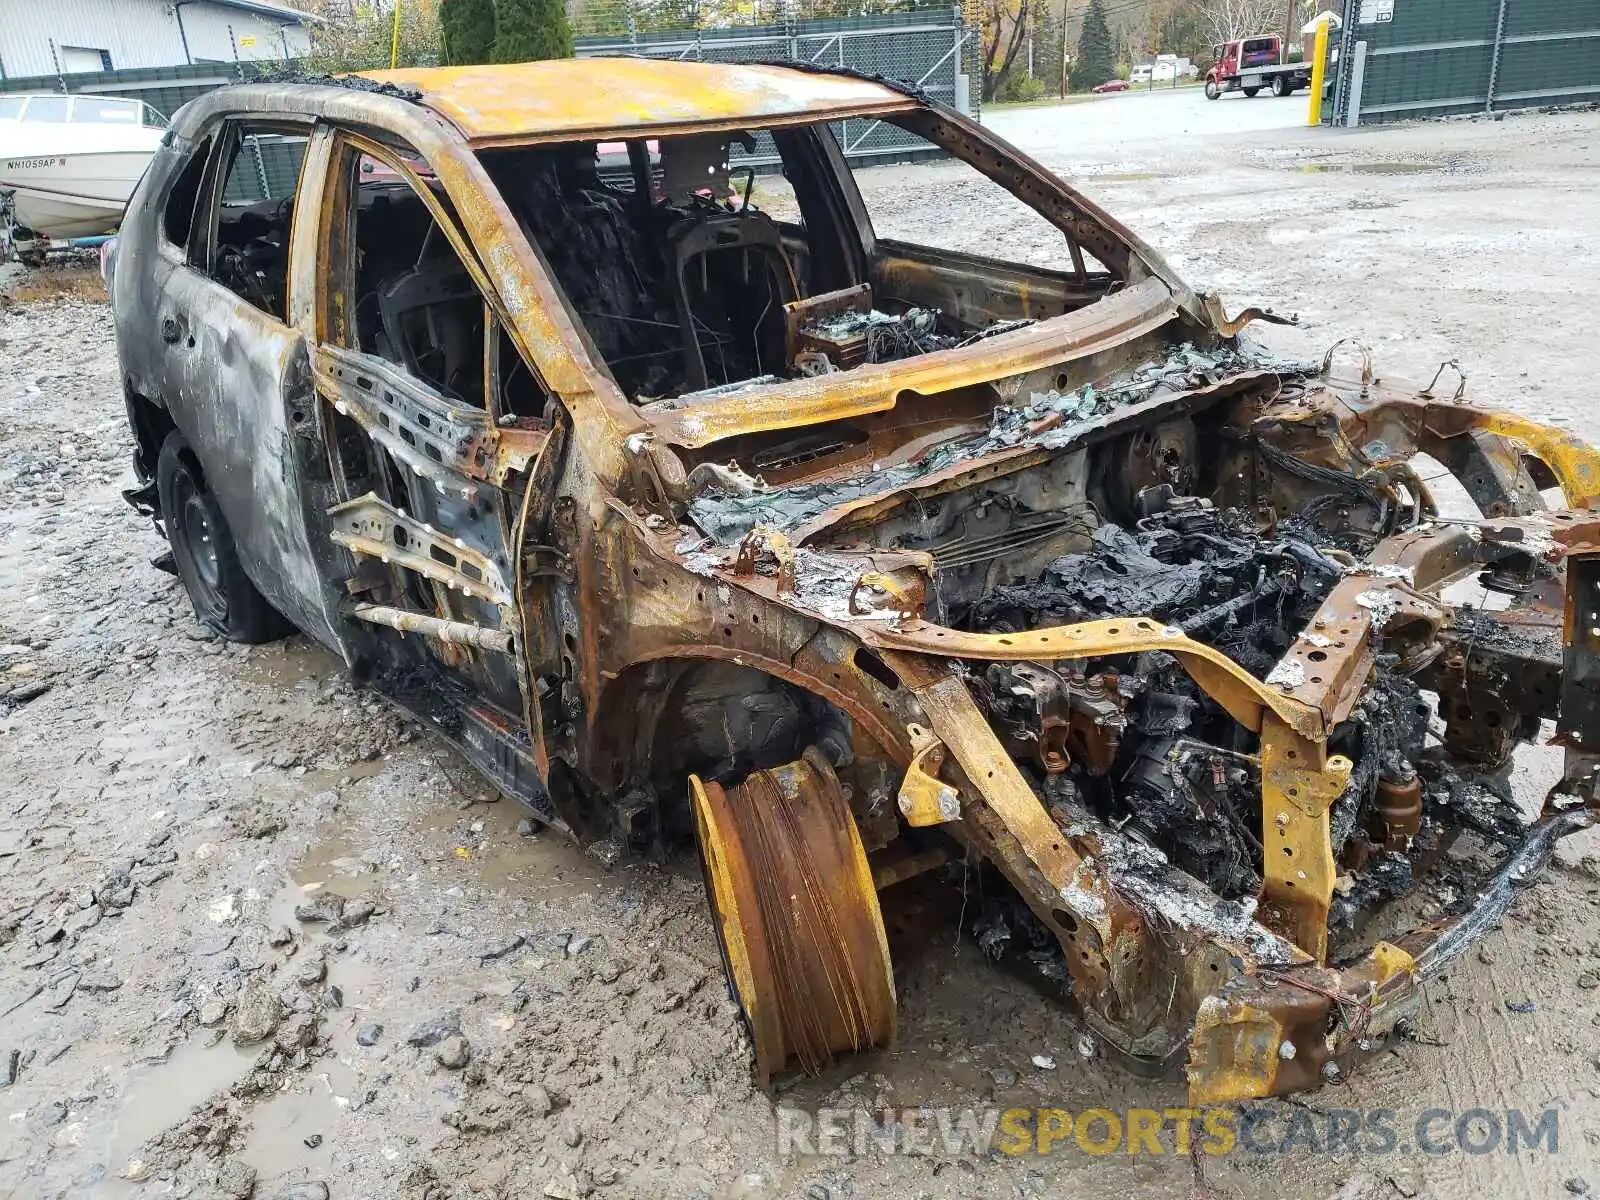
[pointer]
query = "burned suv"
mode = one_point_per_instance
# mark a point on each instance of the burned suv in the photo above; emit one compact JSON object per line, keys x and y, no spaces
{"x":601,"y":416}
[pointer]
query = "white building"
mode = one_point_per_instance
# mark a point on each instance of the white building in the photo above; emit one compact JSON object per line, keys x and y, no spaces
{"x":57,"y":37}
{"x":1167,"y":68}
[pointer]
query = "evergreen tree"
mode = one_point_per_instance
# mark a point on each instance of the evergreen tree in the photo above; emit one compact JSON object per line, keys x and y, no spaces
{"x":468,"y":31}
{"x":525,"y":30}
{"x":1097,"y":57}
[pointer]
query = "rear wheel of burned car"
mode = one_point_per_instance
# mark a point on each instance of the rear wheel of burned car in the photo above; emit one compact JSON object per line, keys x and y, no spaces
{"x":224,"y":599}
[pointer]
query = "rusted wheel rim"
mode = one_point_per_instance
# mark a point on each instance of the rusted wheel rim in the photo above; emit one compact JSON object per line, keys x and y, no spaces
{"x":797,"y":914}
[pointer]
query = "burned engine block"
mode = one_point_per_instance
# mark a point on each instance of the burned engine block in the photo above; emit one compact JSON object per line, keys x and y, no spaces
{"x":1136,"y":742}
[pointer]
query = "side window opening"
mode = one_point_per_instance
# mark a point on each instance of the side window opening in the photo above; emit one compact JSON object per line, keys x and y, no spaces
{"x":415,"y":303}
{"x":250,"y":249}
{"x":104,"y":110}
{"x":1010,"y":232}
{"x":52,"y":109}
{"x":667,"y":254}
{"x":177,"y":218}
{"x":518,"y":390}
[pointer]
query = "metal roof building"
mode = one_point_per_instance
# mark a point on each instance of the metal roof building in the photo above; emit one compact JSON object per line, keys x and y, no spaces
{"x":70,"y":36}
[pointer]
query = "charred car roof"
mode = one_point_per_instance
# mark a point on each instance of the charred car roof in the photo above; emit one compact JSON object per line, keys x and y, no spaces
{"x":564,"y":98}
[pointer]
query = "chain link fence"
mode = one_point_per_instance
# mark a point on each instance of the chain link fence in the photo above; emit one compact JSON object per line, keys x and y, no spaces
{"x":937,"y":49}
{"x":934,"y":50}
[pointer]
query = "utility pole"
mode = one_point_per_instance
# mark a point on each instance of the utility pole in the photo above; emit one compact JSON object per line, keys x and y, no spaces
{"x":1289,"y":28}
{"x":1064,"y":49}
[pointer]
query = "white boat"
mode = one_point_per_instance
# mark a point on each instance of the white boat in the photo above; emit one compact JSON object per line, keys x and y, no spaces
{"x":72,"y":161}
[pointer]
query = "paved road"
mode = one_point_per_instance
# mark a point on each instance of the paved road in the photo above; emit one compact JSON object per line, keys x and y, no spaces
{"x":1101,"y":126}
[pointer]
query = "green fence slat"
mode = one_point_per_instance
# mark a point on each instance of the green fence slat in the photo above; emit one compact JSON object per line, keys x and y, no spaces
{"x":1437,"y":58}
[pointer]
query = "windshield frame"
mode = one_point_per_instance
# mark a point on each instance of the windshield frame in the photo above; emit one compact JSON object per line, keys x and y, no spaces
{"x":1127,"y":311}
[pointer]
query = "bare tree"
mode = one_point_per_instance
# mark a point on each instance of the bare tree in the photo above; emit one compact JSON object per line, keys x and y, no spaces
{"x":1226,"y":20}
{"x":1007,"y":26}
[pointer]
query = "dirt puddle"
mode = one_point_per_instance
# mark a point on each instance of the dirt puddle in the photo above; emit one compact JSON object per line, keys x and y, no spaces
{"x":540,"y":867}
{"x":334,"y":864}
{"x":294,"y":662}
{"x":1369,"y":168}
{"x":290,"y":1133}
{"x":162,"y":1095}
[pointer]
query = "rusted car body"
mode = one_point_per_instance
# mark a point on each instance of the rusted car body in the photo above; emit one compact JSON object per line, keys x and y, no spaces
{"x":958,"y":561}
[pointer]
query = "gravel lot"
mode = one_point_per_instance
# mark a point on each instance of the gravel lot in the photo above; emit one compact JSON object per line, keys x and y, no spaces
{"x":258,"y":934}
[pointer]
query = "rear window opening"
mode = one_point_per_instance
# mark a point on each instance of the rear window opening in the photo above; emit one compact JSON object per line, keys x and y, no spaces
{"x":706,"y":264}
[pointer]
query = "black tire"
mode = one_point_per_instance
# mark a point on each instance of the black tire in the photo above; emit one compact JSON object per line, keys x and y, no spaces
{"x":1251,"y":92}
{"x":1280,"y":86}
{"x":224,"y":599}
{"x":1213,"y":92}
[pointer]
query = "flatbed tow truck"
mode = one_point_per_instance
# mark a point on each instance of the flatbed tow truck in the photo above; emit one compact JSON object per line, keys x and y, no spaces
{"x":1249,"y":64}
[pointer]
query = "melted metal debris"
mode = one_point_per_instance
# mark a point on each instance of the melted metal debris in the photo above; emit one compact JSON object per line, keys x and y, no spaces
{"x":1185,"y":370}
{"x":1052,"y":420}
{"x":1382,"y":603}
{"x":889,"y":336}
{"x":1142,"y":874}
{"x":350,"y":83}
{"x":1484,"y":630}
{"x":823,"y":581}
{"x":1483,"y":803}
{"x":1388,"y":876}
{"x":1083,"y":900}
{"x":1226,"y":920}
{"x":1384,"y":571}
{"x":723,"y":390}
{"x":1289,"y":673}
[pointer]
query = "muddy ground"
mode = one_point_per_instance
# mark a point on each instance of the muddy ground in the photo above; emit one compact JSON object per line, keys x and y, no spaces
{"x":260,"y":936}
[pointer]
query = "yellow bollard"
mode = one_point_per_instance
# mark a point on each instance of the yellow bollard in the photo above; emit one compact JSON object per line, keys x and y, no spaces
{"x":1319,"y":73}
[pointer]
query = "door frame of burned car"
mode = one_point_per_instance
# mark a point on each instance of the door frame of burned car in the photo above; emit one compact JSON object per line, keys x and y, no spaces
{"x":648,"y":645}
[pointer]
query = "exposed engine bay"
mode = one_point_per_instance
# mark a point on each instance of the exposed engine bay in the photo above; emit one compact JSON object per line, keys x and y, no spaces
{"x":1206,"y":521}
{"x":1136,"y":742}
